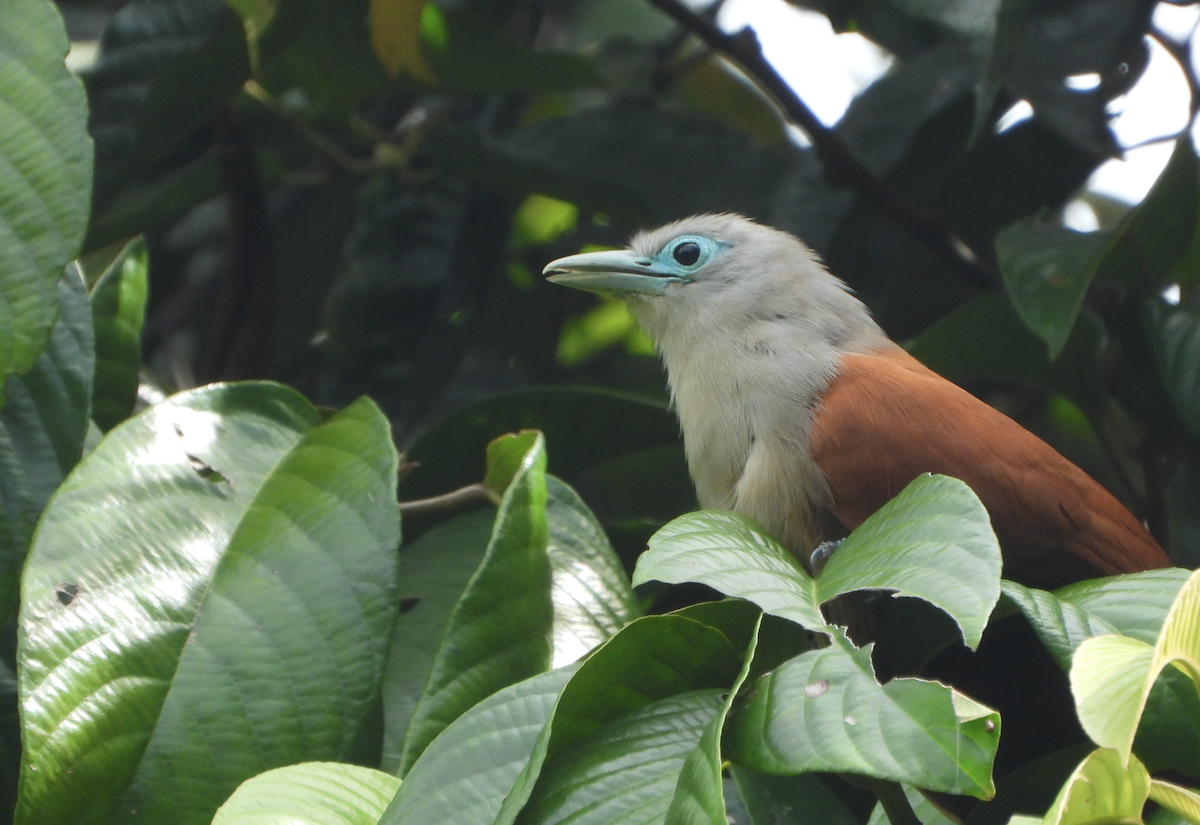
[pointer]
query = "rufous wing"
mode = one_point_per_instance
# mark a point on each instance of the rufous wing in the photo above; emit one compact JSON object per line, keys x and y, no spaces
{"x":886,"y":418}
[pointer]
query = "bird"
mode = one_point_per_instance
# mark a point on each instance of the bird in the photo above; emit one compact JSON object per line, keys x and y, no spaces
{"x":798,"y":411}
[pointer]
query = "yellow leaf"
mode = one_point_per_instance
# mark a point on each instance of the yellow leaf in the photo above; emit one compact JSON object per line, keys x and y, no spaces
{"x":396,"y":37}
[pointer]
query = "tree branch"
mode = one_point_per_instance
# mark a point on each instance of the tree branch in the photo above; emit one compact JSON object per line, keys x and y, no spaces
{"x":841,"y":164}
{"x":470,"y":494}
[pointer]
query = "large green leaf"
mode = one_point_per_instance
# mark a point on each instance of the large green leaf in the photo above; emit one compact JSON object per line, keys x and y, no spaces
{"x":1112,"y":675}
{"x":1047,"y":269}
{"x":1175,"y":334}
{"x":590,"y":592}
{"x":118,"y":311}
{"x":699,"y":797}
{"x":825,"y":711}
{"x":1100,"y":790}
{"x":654,"y":658}
{"x":212,"y":586}
{"x":934,"y":541}
{"x":1133,"y":606}
{"x":499,"y":631}
{"x":434,"y":571}
{"x":590,"y":588}
{"x":962,"y":347}
{"x":311,"y":793}
{"x":583,"y":428}
{"x":627,"y":771}
{"x":45,"y":176}
{"x":464,"y":775}
{"x":42,"y":428}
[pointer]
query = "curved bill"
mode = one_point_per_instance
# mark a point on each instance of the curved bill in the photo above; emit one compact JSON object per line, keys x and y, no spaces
{"x":613,"y":270}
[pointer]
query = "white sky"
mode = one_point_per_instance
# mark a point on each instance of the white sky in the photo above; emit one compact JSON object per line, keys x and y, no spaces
{"x":828,"y":69}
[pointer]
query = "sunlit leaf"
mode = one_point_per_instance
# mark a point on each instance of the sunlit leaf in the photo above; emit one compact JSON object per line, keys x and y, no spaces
{"x":311,"y":793}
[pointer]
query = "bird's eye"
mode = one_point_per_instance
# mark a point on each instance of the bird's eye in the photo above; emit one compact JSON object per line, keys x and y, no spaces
{"x":687,"y":253}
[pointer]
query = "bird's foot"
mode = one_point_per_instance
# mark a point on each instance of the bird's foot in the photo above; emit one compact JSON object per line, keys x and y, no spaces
{"x":824,"y":551}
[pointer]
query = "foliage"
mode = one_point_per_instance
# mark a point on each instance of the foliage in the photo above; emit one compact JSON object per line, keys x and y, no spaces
{"x":259,"y":248}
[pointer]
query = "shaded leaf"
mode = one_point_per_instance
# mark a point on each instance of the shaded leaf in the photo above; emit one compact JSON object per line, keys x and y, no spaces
{"x":311,"y":793}
{"x":1101,"y":790}
{"x":42,"y":427}
{"x":118,"y":311}
{"x":233,"y":620}
{"x":1175,"y":333}
{"x":45,"y":175}
{"x":796,"y":800}
{"x":499,"y":631}
{"x":1047,"y":269}
{"x":464,"y":775}
{"x":626,"y":771}
{"x":825,"y":711}
{"x":396,"y":37}
{"x":582,"y":427}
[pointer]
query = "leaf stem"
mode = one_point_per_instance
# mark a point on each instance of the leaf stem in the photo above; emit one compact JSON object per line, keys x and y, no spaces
{"x":470,"y":494}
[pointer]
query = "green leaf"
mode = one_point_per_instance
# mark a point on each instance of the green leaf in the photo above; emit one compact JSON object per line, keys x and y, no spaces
{"x":45,"y":176}
{"x":1047,"y":269}
{"x":628,"y":770}
{"x":311,"y":793}
{"x":825,"y":711}
{"x":212,"y":586}
{"x":590,"y":588}
{"x":699,"y":798}
{"x":1183,"y":801}
{"x":590,"y":593}
{"x":1101,"y":790}
{"x":1111,"y":676}
{"x":801,"y":799}
{"x":933,"y":541}
{"x":654,"y":658}
{"x":583,"y":428}
{"x":962,"y":347}
{"x":922,"y":807}
{"x":1175,"y":334}
{"x":499,"y":631}
{"x":1154,"y":237}
{"x":434,"y":572}
{"x":464,"y":775}
{"x":1135,"y":606}
{"x":505,"y":458}
{"x":42,"y":429}
{"x":118,"y":310}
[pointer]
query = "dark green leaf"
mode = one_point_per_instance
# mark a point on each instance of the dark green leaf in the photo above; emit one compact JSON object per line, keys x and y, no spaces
{"x":628,"y":770}
{"x":1156,"y":235}
{"x":118,"y":310}
{"x":1047,"y":269}
{"x":434,"y":571}
{"x":45,"y":175}
{"x":1175,"y":333}
{"x":500,"y":629}
{"x":583,"y":428}
{"x":699,"y":798}
{"x":212,"y":586}
{"x":42,"y":428}
{"x":798,"y":800}
{"x":962,"y":347}
{"x":464,"y":775}
{"x":654,"y":658}
{"x":311,"y":793}
{"x":825,"y":711}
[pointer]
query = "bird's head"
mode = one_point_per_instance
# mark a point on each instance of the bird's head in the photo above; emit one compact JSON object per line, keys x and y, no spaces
{"x":714,"y":272}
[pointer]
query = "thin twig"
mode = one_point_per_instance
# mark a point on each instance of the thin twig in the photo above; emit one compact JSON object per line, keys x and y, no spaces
{"x":471,"y":494}
{"x":844,"y":167}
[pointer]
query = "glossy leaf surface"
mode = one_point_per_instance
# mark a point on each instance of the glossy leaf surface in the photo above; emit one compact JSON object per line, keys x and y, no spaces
{"x":217,"y":578}
{"x":311,"y":793}
{"x":45,"y":175}
{"x":499,"y":631}
{"x":825,"y":711}
{"x":118,"y":312}
{"x":42,"y":427}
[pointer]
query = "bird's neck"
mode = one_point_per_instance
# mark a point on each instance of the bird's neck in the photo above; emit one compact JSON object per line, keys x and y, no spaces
{"x":745,"y":387}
